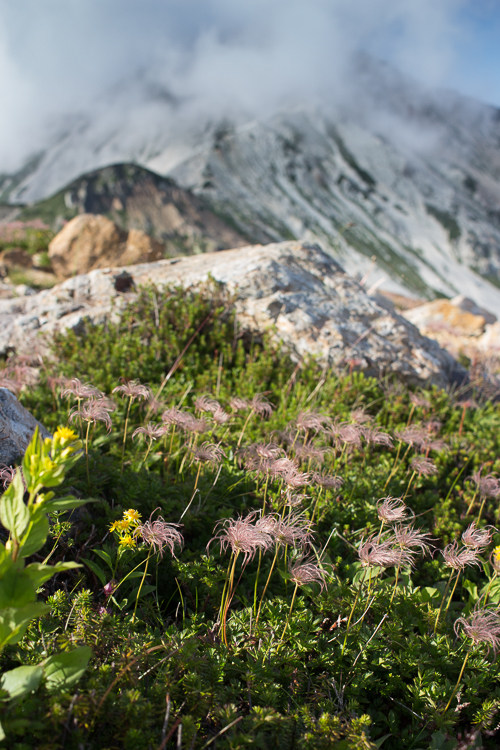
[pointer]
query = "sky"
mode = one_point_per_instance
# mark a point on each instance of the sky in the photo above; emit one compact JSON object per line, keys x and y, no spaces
{"x":65,"y":58}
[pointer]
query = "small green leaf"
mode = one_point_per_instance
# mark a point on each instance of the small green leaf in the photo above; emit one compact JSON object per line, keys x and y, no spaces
{"x":14,"y":514}
{"x":99,"y":572}
{"x":16,"y":589}
{"x":15,"y":620}
{"x":22,"y":680}
{"x":104,"y":556}
{"x":65,"y":503}
{"x":35,"y":537}
{"x":62,"y":671}
{"x":40,"y":573}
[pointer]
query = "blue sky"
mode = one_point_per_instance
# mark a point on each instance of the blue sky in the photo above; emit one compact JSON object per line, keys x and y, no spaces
{"x":59,"y":57}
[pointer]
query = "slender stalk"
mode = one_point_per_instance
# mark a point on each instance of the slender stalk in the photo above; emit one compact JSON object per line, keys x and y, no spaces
{"x":394,"y":466}
{"x":256,"y":585}
{"x":267,"y":584}
{"x":230,"y":593}
{"x":125,"y":431}
{"x":141,"y":585}
{"x":481,"y":509}
{"x":452,"y":592}
{"x":352,"y":611}
{"x":316,"y":505}
{"x":87,"y":451}
{"x":493,"y":577}
{"x":442,"y":601}
{"x":458,"y":682}
{"x":290,"y":611}
{"x":395,"y":586}
{"x":409,"y":485}
{"x":471,"y":505}
{"x":247,"y":420}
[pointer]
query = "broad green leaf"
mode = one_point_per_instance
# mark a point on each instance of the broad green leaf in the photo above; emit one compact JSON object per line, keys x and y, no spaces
{"x":15,"y":620}
{"x":99,"y":572}
{"x":16,"y":589}
{"x":35,"y":537}
{"x":14,"y":514}
{"x":65,"y":503}
{"x":104,"y":556}
{"x":31,"y":451}
{"x":62,"y":671}
{"x":471,"y":588}
{"x":22,"y":680}
{"x":39,"y":573}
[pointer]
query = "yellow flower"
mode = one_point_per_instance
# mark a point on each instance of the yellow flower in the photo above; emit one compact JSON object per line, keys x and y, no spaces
{"x":65,"y":433}
{"x":133,"y":516}
{"x":123,"y":525}
{"x":127,"y":541}
{"x":114,"y":526}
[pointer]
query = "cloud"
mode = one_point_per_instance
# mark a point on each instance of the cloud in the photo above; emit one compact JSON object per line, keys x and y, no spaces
{"x":63,"y":58}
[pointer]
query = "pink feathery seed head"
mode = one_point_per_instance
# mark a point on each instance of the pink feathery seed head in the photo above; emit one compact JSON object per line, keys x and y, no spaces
{"x":310,"y":420}
{"x":488,"y":485}
{"x":315,"y":454}
{"x":92,"y":411}
{"x":476,"y":538}
{"x":81,"y":390}
{"x":304,"y":571}
{"x":242,"y":535}
{"x":239,"y":404}
{"x":261,"y":405}
{"x":372,"y":435}
{"x":391,"y":509}
{"x":412,"y":435}
{"x":482,"y":626}
{"x":327,"y":482}
{"x":433,"y":426}
{"x":457,"y":558}
{"x":206,"y":404}
{"x":209,"y":453}
{"x":296,"y":479}
{"x":104,"y":402}
{"x":156,"y":405}
{"x":344,"y":433}
{"x":282,"y":466}
{"x":359,"y":416}
{"x":220,"y":416}
{"x":188,"y":423}
{"x":55,"y":382}
{"x":408,"y":537}
{"x":134,"y":389}
{"x":7,"y":474}
{"x":173,"y":416}
{"x":423,"y":466}
{"x":151,"y":431}
{"x":14,"y":386}
{"x":381,"y":553}
{"x":292,"y":499}
{"x":259,"y":465}
{"x":160,"y":535}
{"x":293,"y":531}
{"x":266,"y":450}
{"x":420,"y":401}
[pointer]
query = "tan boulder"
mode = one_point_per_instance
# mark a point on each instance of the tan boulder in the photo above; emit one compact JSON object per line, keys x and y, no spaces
{"x":443,"y":316}
{"x":92,"y":241}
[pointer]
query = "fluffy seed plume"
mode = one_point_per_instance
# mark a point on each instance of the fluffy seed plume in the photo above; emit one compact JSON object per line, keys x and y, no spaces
{"x":487,"y":486}
{"x":457,"y":558}
{"x":239,"y":404}
{"x":311,"y":420}
{"x":423,"y":466}
{"x":151,"y":431}
{"x":81,"y":390}
{"x":242,"y":535}
{"x":382,"y":554}
{"x":391,"y":509}
{"x":303,"y":572}
{"x":372,"y":435}
{"x":206,"y":404}
{"x":326,"y":481}
{"x":93,"y":411}
{"x":410,"y":538}
{"x":209,"y":453}
{"x":160,"y":535}
{"x":260,"y":405}
{"x":482,"y":626}
{"x":476,"y":538}
{"x":134,"y":389}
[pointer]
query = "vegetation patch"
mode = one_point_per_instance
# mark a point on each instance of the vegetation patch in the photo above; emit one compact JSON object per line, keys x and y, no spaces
{"x":270,"y":555}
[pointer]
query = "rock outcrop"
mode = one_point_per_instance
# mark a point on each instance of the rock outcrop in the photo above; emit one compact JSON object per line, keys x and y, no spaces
{"x":293,"y":289}
{"x":17,"y":426}
{"x":91,"y":241}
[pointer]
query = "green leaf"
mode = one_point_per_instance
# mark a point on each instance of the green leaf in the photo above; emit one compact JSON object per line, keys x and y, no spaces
{"x":99,"y":572}
{"x":65,"y":503}
{"x":471,"y":588}
{"x":22,"y":680}
{"x":14,"y":514}
{"x":2,"y":733}
{"x":16,"y":589}
{"x":35,"y":537}
{"x":15,"y":620}
{"x":104,"y":556}
{"x":62,"y":671}
{"x":40,"y":573}
{"x":32,"y":450}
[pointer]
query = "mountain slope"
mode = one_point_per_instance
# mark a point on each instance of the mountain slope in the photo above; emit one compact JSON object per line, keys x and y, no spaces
{"x":403,"y":176}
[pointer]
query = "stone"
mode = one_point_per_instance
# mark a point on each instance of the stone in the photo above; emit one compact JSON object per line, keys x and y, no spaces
{"x":92,"y":241}
{"x":17,"y":426}
{"x":294,"y":290}
{"x":16,"y":257}
{"x":468,"y":305}
{"x":442,"y":315}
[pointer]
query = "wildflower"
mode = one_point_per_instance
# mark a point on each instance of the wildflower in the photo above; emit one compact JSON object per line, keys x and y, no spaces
{"x":7,"y":474}
{"x":14,"y":386}
{"x":134,"y":389}
{"x":390,"y":509}
{"x":260,"y":405}
{"x":282,"y":466}
{"x":81,"y":390}
{"x":152,"y":431}
{"x":421,"y":401}
{"x":292,"y":498}
{"x":359,"y":416}
{"x":423,"y":466}
{"x":93,"y":411}
{"x":295,"y":479}
{"x":310,"y":420}
{"x":65,"y":434}
{"x":344,"y":433}
{"x":459,"y":559}
{"x":127,"y":541}
{"x":191,"y":424}
{"x":239,"y":404}
{"x":159,"y":535}
{"x":495,"y":559}
{"x":209,"y":453}
{"x":265,"y":450}
{"x":313,"y":453}
{"x":172,"y":416}
{"x":328,"y":482}
{"x":293,"y":531}
{"x":242,"y":535}
{"x":206,"y":404}
{"x":408,"y":537}
{"x":110,"y":587}
{"x":482,"y":626}
{"x":220,"y":416}
{"x":487,"y":486}
{"x":372,"y":435}
{"x":303,"y":572}
{"x":132,"y":515}
{"x":478,"y":539}
{"x":412,"y":435}
{"x":382,"y":554}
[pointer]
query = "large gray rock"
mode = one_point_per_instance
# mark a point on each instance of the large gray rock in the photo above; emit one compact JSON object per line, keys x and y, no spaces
{"x":293,"y":289}
{"x":17,"y":426}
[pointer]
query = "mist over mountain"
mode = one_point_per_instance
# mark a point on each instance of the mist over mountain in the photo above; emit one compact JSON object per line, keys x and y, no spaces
{"x":400,"y":182}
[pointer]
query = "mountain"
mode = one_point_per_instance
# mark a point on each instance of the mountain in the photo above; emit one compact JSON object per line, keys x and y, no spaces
{"x":399,"y":183}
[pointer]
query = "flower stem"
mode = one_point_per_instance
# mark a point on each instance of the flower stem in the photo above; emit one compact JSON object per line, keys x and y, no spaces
{"x":290,"y":611}
{"x":442,"y":601}
{"x":125,"y":431}
{"x":141,"y":585}
{"x":458,"y":683}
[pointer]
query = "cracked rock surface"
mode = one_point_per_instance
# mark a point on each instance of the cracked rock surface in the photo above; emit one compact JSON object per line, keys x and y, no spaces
{"x":17,"y":426}
{"x":294,"y":289}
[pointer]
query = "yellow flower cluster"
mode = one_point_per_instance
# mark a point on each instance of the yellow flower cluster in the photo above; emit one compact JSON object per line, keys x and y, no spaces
{"x":125,"y":528}
{"x":495,"y":558}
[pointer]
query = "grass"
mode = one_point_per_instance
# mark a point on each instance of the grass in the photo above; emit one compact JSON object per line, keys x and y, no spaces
{"x":236,"y":644}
